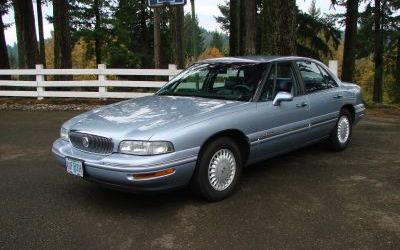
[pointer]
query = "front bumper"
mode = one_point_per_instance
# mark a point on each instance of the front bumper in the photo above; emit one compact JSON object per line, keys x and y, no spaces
{"x":116,"y":170}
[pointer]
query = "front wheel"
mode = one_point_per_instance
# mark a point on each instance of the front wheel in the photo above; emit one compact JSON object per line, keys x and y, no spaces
{"x":341,"y":134}
{"x":218,"y":170}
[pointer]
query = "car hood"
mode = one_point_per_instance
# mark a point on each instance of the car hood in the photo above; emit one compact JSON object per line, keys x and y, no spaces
{"x":140,"y":118}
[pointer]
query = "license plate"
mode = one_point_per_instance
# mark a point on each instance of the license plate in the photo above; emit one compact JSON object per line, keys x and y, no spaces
{"x":74,"y":167}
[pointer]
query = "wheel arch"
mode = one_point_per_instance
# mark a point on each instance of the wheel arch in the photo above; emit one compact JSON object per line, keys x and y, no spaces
{"x":236,"y":135}
{"x":351,"y":109}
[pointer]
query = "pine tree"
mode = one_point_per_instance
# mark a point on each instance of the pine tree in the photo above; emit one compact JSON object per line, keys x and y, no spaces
{"x":157,"y":38}
{"x":249,"y":27}
{"x":177,"y":35}
{"x":188,"y":37}
{"x":378,"y":53}
{"x":216,"y":41}
{"x":279,"y":27}
{"x":4,"y":60}
{"x":62,"y":36}
{"x":26,"y":33}
{"x":42,"y":53}
{"x":350,"y":38}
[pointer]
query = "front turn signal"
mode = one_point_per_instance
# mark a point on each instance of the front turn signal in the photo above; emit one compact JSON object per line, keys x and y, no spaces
{"x":152,"y":175}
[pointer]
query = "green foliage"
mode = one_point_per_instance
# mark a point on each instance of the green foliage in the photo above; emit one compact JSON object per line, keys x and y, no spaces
{"x":4,"y":7}
{"x":224,"y":19}
{"x":13,"y":55}
{"x":122,"y":57}
{"x":391,"y":33}
{"x":84,"y":23}
{"x":316,"y":35}
{"x":188,"y":34}
{"x":217,"y":41}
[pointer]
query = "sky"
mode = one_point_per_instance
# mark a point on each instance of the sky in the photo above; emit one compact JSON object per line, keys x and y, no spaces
{"x":205,"y":10}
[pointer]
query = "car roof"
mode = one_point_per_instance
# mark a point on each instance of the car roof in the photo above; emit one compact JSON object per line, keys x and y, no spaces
{"x":252,"y":59}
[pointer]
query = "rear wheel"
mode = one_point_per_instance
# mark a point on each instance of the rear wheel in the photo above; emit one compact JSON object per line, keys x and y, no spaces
{"x":341,"y":134}
{"x":218,"y":170}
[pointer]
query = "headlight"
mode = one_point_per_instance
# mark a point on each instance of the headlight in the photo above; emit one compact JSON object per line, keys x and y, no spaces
{"x":145,"y":147}
{"x":64,"y":134}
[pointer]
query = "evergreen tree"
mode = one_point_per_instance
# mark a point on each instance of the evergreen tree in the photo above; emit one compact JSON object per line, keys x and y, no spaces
{"x":89,"y":19}
{"x":4,"y":59}
{"x":26,"y":33}
{"x":316,"y":35}
{"x":42,"y":53}
{"x":378,"y":53}
{"x":216,"y":41}
{"x":188,"y":33}
{"x":62,"y":36}
{"x":177,"y":35}
{"x":350,"y":39}
{"x":279,"y":27}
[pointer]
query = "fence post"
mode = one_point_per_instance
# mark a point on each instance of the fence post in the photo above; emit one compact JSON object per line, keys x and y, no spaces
{"x":39,"y":81}
{"x":333,"y":66}
{"x":102,"y":78}
{"x":172,"y":68}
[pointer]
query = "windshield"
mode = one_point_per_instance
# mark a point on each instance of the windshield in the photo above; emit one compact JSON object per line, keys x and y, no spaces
{"x":237,"y":81}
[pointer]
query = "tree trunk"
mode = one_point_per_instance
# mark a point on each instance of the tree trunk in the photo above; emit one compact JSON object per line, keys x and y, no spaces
{"x":378,"y":55}
{"x":42,"y":52}
{"x":157,"y":38}
{"x":350,"y":40}
{"x":62,"y":39}
{"x":26,"y":34}
{"x":178,"y":36}
{"x":233,"y":28}
{"x":194,"y":28}
{"x":98,"y":42}
{"x":4,"y":60}
{"x":250,"y":27}
{"x":279,"y":27}
{"x":242,"y":27}
{"x":398,"y":65}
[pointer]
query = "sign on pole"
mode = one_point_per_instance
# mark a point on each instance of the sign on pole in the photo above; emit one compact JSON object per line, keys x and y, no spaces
{"x":156,"y":3}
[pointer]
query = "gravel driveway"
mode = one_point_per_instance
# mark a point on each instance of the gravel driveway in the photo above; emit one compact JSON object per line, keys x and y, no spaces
{"x":309,"y":199}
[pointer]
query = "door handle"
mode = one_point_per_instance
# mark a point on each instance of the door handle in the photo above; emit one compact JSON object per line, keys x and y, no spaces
{"x":301,"y":105}
{"x":339,"y":96}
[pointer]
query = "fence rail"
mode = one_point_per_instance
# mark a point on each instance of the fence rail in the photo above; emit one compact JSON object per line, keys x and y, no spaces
{"x":102,"y":83}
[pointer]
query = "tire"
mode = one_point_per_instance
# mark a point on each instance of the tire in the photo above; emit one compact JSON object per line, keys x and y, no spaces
{"x":338,"y":141}
{"x":225,"y":154}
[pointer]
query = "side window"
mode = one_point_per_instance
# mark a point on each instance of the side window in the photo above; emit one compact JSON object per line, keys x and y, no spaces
{"x":280,"y":79}
{"x":313,"y":79}
{"x":329,"y":81}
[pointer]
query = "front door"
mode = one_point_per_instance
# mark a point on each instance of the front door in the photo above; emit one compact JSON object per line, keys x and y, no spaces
{"x":281,"y":128}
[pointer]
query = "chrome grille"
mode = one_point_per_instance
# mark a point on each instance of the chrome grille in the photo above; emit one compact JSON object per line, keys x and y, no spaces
{"x":91,"y":143}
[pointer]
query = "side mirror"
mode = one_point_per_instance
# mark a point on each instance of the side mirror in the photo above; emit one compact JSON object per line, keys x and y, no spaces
{"x":282,"y":97}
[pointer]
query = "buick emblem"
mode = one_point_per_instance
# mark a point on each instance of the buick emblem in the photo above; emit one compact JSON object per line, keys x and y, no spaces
{"x":85,"y":142}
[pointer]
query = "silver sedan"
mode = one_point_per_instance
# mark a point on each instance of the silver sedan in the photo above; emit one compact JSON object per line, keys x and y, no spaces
{"x":209,"y":122}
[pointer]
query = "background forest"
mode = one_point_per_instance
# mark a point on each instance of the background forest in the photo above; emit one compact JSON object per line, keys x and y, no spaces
{"x":128,"y":34}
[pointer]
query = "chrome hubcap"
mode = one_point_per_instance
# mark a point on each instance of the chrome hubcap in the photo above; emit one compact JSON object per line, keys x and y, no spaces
{"x":343,"y":129}
{"x":222,"y":169}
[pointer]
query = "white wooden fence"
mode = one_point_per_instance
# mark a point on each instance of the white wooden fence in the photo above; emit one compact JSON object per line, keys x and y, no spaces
{"x":102,"y":83}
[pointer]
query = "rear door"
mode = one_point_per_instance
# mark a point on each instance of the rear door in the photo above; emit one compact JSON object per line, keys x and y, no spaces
{"x":324,"y":96}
